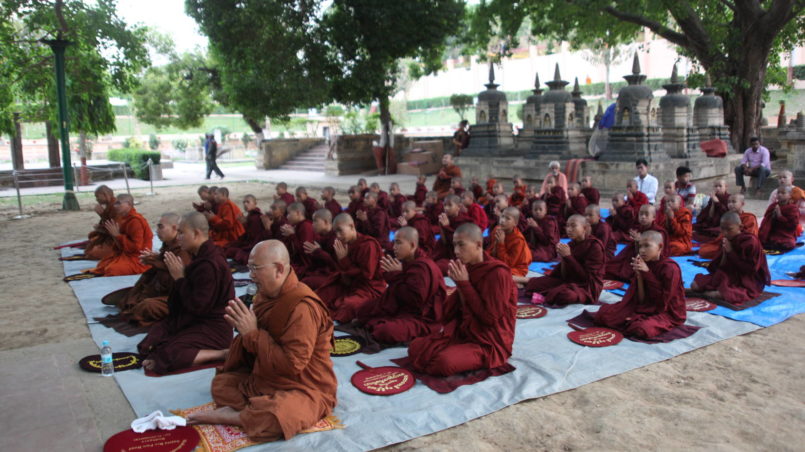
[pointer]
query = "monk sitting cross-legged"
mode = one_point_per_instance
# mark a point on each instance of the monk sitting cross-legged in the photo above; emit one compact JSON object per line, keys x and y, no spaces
{"x":678,"y":226}
{"x":412,"y":305}
{"x":278,"y":377}
{"x":619,"y":266}
{"x":707,"y":223}
{"x":320,"y":250}
{"x":101,"y":244}
{"x":655,"y":301}
{"x":778,"y":230}
{"x":397,"y":199}
{"x":591,"y":193}
{"x":295,"y":233}
{"x":508,"y":244}
{"x":224,"y":224}
{"x":147,"y":301}
{"x":449,"y":221}
{"x":573,"y":205}
{"x":410,"y":217}
{"x":554,"y":196}
{"x":444,"y":179}
{"x":132,"y":235}
{"x":374,"y":221}
{"x":740,"y":273}
{"x":357,"y":280}
{"x":194,"y":332}
{"x":579,"y":277}
{"x":622,"y":218}
{"x":601,"y":230}
{"x":311,"y":205}
{"x":282,"y":194}
{"x":634,"y":197}
{"x":712,"y":249}
{"x":474,"y":210}
{"x":254,"y":232}
{"x":479,"y":317}
{"x":542,"y":233}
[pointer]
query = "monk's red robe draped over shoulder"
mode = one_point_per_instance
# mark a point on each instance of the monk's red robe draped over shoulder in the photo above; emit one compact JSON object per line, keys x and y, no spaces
{"x":709,"y":219}
{"x":443,"y":253}
{"x":579,"y":277}
{"x":427,"y":241}
{"x":444,"y":179}
{"x":542,"y":239}
{"x":420,"y":194}
{"x":478,"y":216}
{"x":225,"y":227}
{"x":311,"y":206}
{"x":603,"y":232}
{"x":780,"y":233}
{"x":135,"y":236}
{"x":592,"y":194}
{"x":620,"y":266}
{"x":680,"y":232}
{"x":253,"y":233}
{"x":712,"y":249}
{"x":513,"y":252}
{"x":303,"y":232}
{"x":376,"y":225}
{"x":333,"y":206}
{"x":624,"y":220}
{"x":739,"y":275}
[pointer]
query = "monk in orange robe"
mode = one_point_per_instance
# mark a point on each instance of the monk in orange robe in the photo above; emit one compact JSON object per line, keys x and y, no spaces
{"x":786,"y":179}
{"x":542,"y":233}
{"x":224,"y":223}
{"x":147,"y":302}
{"x":479,"y":317}
{"x":444,"y":179}
{"x":132,"y":235}
{"x":712,"y":249}
{"x":579,"y":277}
{"x":358,"y":279}
{"x":410,"y":217}
{"x":413,"y":304}
{"x":278,"y":377}
{"x":508,"y":244}
{"x":678,"y":226}
{"x":740,"y":273}
{"x":601,"y":230}
{"x":655,"y":301}
{"x":206,"y":199}
{"x":101,"y":244}
{"x":778,"y":230}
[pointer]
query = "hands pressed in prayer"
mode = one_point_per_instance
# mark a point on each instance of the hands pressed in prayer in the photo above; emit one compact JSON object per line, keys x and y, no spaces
{"x":563,"y":249}
{"x":341,"y":249}
{"x":310,"y":247}
{"x":98,"y":209}
{"x":634,"y":235}
{"x":361,"y":215}
{"x":714,"y":197}
{"x":267,"y":221}
{"x":240,"y":317}
{"x":148,"y":256}
{"x":639,"y":265}
{"x":500,"y":235}
{"x":242,"y":219}
{"x":112,"y":227}
{"x":390,"y":264}
{"x":402,"y":221}
{"x":457,"y":271}
{"x":444,"y":220}
{"x":175,"y":266}
{"x":726,"y":244}
{"x":532,"y":223}
{"x":286,"y":230}
{"x":777,"y":212}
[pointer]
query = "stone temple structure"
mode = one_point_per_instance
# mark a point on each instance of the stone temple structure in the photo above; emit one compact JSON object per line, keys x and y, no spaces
{"x":492,"y":132}
{"x":708,"y":115}
{"x":678,"y":139}
{"x":531,"y":116}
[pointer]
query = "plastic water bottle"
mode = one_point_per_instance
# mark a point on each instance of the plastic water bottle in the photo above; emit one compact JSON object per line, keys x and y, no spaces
{"x":107,"y":366}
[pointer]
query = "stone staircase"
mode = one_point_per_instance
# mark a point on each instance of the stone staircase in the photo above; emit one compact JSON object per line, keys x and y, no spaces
{"x":309,"y":160}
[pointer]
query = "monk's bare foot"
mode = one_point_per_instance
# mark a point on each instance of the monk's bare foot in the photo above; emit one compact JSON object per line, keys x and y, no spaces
{"x":208,"y":356}
{"x":224,"y":415}
{"x":148,"y":364}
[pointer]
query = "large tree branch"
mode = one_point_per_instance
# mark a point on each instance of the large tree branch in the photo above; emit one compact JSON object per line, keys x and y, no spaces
{"x":691,"y":25}
{"x":728,"y":4}
{"x":780,"y":13}
{"x":671,"y":35}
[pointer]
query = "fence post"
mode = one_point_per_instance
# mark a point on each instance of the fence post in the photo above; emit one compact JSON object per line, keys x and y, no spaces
{"x":19,"y":198}
{"x":126,"y":176}
{"x":78,"y":185}
{"x":151,"y":176}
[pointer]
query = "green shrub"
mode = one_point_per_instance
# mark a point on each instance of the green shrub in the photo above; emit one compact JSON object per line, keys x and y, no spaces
{"x":180,"y":144}
{"x":136,"y":159}
{"x":799,"y":72}
{"x":153,"y":142}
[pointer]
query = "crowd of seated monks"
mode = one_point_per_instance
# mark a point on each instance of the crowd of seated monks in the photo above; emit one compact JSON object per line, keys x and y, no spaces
{"x":381,"y":263}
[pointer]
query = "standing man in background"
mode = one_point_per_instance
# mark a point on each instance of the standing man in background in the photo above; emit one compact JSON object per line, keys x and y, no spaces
{"x":211,"y":154}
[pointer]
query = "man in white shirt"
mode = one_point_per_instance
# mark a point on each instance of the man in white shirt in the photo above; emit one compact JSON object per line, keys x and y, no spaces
{"x":646,"y":183}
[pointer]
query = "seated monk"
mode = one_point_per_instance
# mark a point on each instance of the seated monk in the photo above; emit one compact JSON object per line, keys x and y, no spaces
{"x":508,"y":244}
{"x":740,"y":273}
{"x":321,"y":251}
{"x":527,"y":207}
{"x":619,"y":266}
{"x":132,"y":236}
{"x":601,"y":230}
{"x":573,"y":205}
{"x":474,"y":210}
{"x":194,"y":331}
{"x":457,"y":186}
{"x":363,"y":187}
{"x":101,"y":244}
{"x":678,"y":226}
{"x":410,"y":217}
{"x":518,"y":193}
{"x":278,"y":377}
{"x":622,"y":218}
{"x":413,"y":304}
{"x":712,"y":249}
{"x":224,"y":224}
{"x":655,"y":300}
{"x":554,"y":196}
{"x":444,"y":179}
{"x":330,"y":203}
{"x":479,"y":317}
{"x":591,"y":193}
{"x":421,"y":190}
{"x":634,"y":197}
{"x":707,"y":222}
{"x":355,"y":201}
{"x":374,"y":221}
{"x":501,"y":204}
{"x":476,"y":189}
{"x":295,"y":233}
{"x":449,"y":221}
{"x":579,"y":277}
{"x":206,"y":199}
{"x":778,"y":230}
{"x":542,"y":233}
{"x":786,"y":179}
{"x":311,"y":205}
{"x":397,"y":199}
{"x":282,"y":194}
{"x":669,"y":190}
{"x":274,"y":220}
{"x":432,"y":210}
{"x":357,"y":280}
{"x":383,"y":200}
{"x":253,"y":233}
{"x":147,"y":301}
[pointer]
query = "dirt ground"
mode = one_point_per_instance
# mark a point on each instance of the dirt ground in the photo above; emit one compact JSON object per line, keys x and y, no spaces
{"x":746,"y":393}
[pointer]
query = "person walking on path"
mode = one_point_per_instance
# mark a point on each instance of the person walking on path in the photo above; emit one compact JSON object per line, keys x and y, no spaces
{"x":211,"y":154}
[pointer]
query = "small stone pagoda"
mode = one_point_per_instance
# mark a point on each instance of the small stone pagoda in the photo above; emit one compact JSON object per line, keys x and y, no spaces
{"x":492,"y":132}
{"x":531,"y":116}
{"x":678,"y":139}
{"x":708,"y":115}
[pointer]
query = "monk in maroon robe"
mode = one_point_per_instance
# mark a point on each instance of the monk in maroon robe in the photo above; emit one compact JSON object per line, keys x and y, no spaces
{"x":542,"y":233}
{"x":253,"y":232}
{"x":363,"y":187}
{"x":374,"y":221}
{"x":601,"y":230}
{"x":619,"y":266}
{"x":355,"y":201}
{"x":479,"y":317}
{"x":294,"y":234}
{"x":274,"y":221}
{"x":206,"y":203}
{"x":501,"y":204}
{"x":410,"y":217}
{"x":412,"y":305}
{"x":476,"y":189}
{"x":573,"y":205}
{"x":321,"y":251}
{"x":655,"y":300}
{"x":579,"y":277}
{"x":383,"y":199}
{"x":449,"y":221}
{"x":740,"y":273}
{"x":554,"y":196}
{"x":311,"y":205}
{"x":397,"y":199}
{"x":708,"y":220}
{"x":622,"y":218}
{"x":330,"y":203}
{"x":420,"y":192}
{"x":778,"y":230}
{"x":194,"y":332}
{"x":634,"y":197}
{"x":444,"y":179}
{"x":591,"y":193}
{"x":432,"y":209}
{"x":282,"y":193}
{"x":474,"y":210}
{"x":358,"y":279}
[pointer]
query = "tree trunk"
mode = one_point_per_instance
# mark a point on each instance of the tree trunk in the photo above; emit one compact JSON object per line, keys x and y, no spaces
{"x":385,"y":129}
{"x":54,"y":160}
{"x":742,"y":106}
{"x":82,"y":145}
{"x":17,"y":160}
{"x":256,"y":128}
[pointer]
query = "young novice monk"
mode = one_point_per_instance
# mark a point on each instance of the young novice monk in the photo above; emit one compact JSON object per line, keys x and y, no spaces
{"x":395,"y":207}
{"x":542,"y":233}
{"x":421,"y":190}
{"x":635,"y":197}
{"x":330,"y":203}
{"x":374,"y":221}
{"x":668,"y":190}
{"x":383,"y":200}
{"x":457,"y":186}
{"x":355,"y":201}
{"x":274,"y":220}
{"x":740,"y":273}
{"x":707,"y":223}
{"x":712,"y":249}
{"x":591,"y":193}
{"x":253,"y":233}
{"x":655,"y":301}
{"x":479,"y":317}
{"x":508,"y":244}
{"x":321,"y":251}
{"x":294,"y":234}
{"x":618,"y":267}
{"x":474,"y":210}
{"x":622,"y":218}
{"x":679,"y":227}
{"x":554,"y":196}
{"x":282,"y":193}
{"x":410,"y":217}
{"x":601,"y":230}
{"x":574,"y":205}
{"x":579,"y":277}
{"x":224,"y":224}
{"x":131,"y":234}
{"x":778,"y":230}
{"x":413,"y":304}
{"x":449,"y":221}
{"x":311,"y":205}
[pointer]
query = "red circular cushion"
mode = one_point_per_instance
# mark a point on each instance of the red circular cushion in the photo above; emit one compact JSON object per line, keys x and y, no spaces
{"x":595,"y":337}
{"x":699,"y":304}
{"x":788,"y":283}
{"x":530,"y":312}
{"x":181,"y":439}
{"x":612,"y":285}
{"x":386,"y":381}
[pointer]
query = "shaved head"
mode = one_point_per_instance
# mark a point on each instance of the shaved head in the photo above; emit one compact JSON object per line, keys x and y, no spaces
{"x":652,"y":236}
{"x":409,"y":234}
{"x":250,"y":197}
{"x":593,"y":208}
{"x":297,"y":207}
{"x":323,"y":214}
{"x":371,"y":194}
{"x":342,"y":219}
{"x":470,"y":231}
{"x":271,"y":252}
{"x":730,"y":218}
{"x":513,"y":212}
{"x":279,"y":204}
{"x":223,"y":191}
{"x":170,"y":218}
{"x":539,"y":202}
{"x":452,"y":199}
{"x":649,"y":208}
{"x":409,"y":205}
{"x":196,"y":221}
{"x":580,"y":219}
{"x":128,"y":199}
